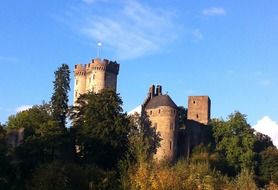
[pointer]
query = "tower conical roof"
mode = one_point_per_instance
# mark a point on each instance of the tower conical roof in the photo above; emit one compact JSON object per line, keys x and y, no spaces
{"x":161,"y":100}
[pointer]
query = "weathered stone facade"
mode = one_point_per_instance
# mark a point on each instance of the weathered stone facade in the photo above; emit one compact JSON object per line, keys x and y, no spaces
{"x":95,"y":76}
{"x":15,"y":137}
{"x":162,"y":113}
{"x":199,"y":109}
{"x":160,"y":109}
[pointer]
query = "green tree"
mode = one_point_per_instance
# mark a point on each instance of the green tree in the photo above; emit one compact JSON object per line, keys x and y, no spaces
{"x":101,"y":128}
{"x":39,"y":127}
{"x":59,"y":99}
{"x":59,"y":176}
{"x":4,"y":164}
{"x":43,"y":141}
{"x":182,"y":117}
{"x":262,"y":142}
{"x":143,"y":139}
{"x":235,"y":141}
{"x":268,"y":168}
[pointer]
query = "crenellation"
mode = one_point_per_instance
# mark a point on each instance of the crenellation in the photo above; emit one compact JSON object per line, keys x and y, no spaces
{"x":95,"y":76}
{"x":161,"y":110}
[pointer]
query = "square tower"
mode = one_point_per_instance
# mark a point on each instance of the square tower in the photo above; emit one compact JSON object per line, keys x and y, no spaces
{"x":199,"y":109}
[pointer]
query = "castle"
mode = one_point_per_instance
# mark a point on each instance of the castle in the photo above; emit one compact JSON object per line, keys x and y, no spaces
{"x":160,"y":109}
{"x":95,"y":76}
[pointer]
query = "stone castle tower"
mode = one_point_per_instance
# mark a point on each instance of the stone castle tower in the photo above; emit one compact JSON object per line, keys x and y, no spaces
{"x":160,"y":109}
{"x":95,"y":76}
{"x":199,"y":109}
{"x":195,"y":131}
{"x":162,"y":113}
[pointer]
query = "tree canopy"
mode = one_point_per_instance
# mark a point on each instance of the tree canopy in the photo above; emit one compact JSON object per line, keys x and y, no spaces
{"x":235,"y":141}
{"x":59,"y":99}
{"x":101,"y":128}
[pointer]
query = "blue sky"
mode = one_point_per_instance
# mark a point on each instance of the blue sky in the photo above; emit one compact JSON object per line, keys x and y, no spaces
{"x":225,"y":49}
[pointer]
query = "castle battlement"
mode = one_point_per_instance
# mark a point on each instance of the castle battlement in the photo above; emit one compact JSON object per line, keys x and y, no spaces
{"x":97,"y":64}
{"x":95,"y":76}
{"x":159,"y":108}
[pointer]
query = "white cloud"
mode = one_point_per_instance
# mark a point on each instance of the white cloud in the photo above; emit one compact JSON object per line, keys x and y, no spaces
{"x":214,"y":11}
{"x":268,"y":127}
{"x":130,"y":29}
{"x":22,"y":108}
{"x":265,"y":82}
{"x":138,"y":110}
{"x":197,"y":34}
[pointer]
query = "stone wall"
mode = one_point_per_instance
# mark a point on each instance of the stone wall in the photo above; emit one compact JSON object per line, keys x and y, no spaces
{"x":165,"y":120}
{"x":95,"y":76}
{"x":199,"y":109}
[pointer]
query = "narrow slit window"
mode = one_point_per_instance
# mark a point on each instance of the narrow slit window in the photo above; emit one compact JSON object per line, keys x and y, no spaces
{"x":170,"y":143}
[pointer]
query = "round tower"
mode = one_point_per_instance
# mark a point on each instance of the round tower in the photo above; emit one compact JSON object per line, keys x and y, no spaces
{"x":95,"y":76}
{"x":101,"y":74}
{"x":162,"y":112}
{"x":79,"y":81}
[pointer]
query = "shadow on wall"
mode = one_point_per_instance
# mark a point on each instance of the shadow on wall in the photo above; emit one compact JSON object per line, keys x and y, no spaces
{"x":194,"y":134}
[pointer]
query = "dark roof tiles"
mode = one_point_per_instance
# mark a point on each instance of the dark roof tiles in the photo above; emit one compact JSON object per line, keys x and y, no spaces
{"x":161,"y":100}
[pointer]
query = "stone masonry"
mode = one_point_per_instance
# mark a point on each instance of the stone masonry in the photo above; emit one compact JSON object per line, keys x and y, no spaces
{"x":95,"y":76}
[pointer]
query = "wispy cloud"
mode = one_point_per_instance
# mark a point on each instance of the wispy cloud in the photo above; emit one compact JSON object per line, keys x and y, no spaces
{"x":190,"y":91}
{"x":265,"y":82}
{"x":8,"y":59}
{"x":22,"y":108}
{"x":197,"y":34}
{"x":93,"y":1}
{"x":269,"y":127}
{"x":214,"y":11}
{"x":131,"y":29}
{"x":89,"y":1}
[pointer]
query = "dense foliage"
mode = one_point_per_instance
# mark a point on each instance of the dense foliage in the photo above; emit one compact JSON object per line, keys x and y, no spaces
{"x":106,"y":149}
{"x":235,"y":141}
{"x":59,"y":99}
{"x":101,"y":128}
